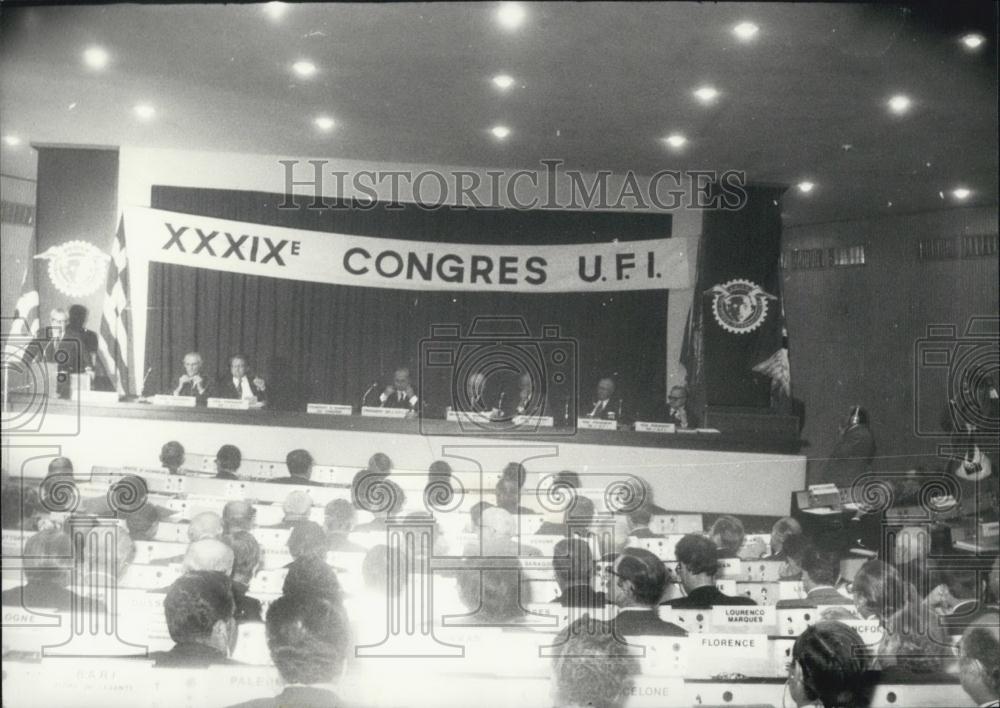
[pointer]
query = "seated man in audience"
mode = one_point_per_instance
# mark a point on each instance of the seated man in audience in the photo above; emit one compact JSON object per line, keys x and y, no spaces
{"x":820,"y":573}
{"x":727,"y":534}
{"x":241,"y":384}
{"x":380,"y":463}
{"x":200,"y":617}
{"x":577,"y":516}
{"x":143,"y":523}
{"x":515,"y":471}
{"x":307,"y":539}
{"x":697,"y":565}
{"x":238,"y":515}
{"x":782,"y":529}
{"x":44,"y":588}
{"x":605,"y":405}
{"x":400,"y":393}
{"x":193,"y":382}
{"x":308,"y":639}
{"x":206,"y":524}
{"x":492,"y":595}
{"x":388,"y":501}
{"x":300,"y":464}
{"x":979,"y":660}
{"x":640,"y":579}
{"x":793,"y":548}
{"x":438,"y":487}
{"x":297,"y":507}
{"x":496,"y":536}
{"x":638,"y":522}
{"x":508,"y":496}
{"x":567,"y":478}
{"x":956,"y":595}
{"x":172,"y":457}
{"x":246,"y":561}
{"x":227,"y":462}
{"x":829,"y":667}
{"x":209,"y":554}
{"x":60,"y":466}
{"x":338,"y":520}
{"x":574,"y":569}
{"x":592,"y":667}
{"x":310,"y":576}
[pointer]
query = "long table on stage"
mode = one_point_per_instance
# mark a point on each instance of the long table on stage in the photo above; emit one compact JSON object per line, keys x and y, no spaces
{"x":732,"y":471}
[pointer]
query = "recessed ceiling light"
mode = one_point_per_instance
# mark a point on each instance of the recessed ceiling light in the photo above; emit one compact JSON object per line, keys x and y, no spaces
{"x":503,"y":81}
{"x":304,"y":68}
{"x":961,"y":193}
{"x":510,"y":15}
{"x":95,"y":57}
{"x":806,"y":187}
{"x":500,"y":131}
{"x":275,"y":10}
{"x":746,"y":31}
{"x":973,"y":40}
{"x":675,"y":140}
{"x":324,"y":123}
{"x":900,"y":104}
{"x":706,"y":94}
{"x":144,"y":111}
{"x":11,"y":140}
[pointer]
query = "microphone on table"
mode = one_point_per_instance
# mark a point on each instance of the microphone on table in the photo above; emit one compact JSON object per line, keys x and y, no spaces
{"x":364,"y":399}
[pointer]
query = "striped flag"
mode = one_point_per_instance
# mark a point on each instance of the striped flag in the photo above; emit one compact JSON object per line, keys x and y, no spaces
{"x":116,"y":330}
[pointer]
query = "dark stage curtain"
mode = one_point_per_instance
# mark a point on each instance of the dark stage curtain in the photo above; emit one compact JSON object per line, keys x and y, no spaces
{"x":325,"y":343}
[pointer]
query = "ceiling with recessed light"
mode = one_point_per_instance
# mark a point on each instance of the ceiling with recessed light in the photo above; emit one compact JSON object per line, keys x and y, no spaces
{"x":871,"y":105}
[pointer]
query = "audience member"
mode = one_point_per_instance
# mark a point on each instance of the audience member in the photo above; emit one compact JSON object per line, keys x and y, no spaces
{"x":143,"y":523}
{"x":19,"y":508}
{"x":310,"y":576}
{"x":829,"y":668}
{"x":380,"y":463}
{"x":727,"y":534}
{"x":307,"y":539}
{"x":297,"y":507}
{"x":308,"y":639}
{"x":567,"y":478}
{"x":638,"y":522}
{"x":956,"y":595}
{"x":200,"y":617}
{"x":574,"y":570}
{"x":820,"y":573}
{"x":338,"y":519}
{"x":476,"y":515}
{"x":206,"y":524}
{"x":508,"y":497}
{"x":578,"y":517}
{"x":172,"y":457}
{"x":300,"y":464}
{"x":697,"y":565}
{"x":246,"y":561}
{"x":979,"y":660}
{"x":45,"y":584}
{"x":640,"y":579}
{"x":592,"y":668}
{"x":238,"y":515}
{"x":387,"y":498}
{"x":792,"y":550}
{"x":375,"y":571}
{"x":516,"y":472}
{"x":492,"y":595}
{"x":227,"y":462}
{"x":782,"y":529}
{"x":209,"y":554}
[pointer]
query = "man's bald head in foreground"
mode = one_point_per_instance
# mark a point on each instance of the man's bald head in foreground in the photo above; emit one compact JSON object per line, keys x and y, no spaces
{"x":207,"y":524}
{"x":238,"y":515}
{"x":979,"y":659}
{"x":209,"y":554}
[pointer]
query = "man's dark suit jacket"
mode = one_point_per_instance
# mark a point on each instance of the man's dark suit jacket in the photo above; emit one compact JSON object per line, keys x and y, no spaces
{"x":609,"y":412}
{"x":581,"y":596}
{"x":817,"y":597}
{"x":296,"y":480}
{"x":296,"y":697}
{"x":707,"y":596}
{"x":851,"y":457}
{"x":694,"y":420}
{"x":394,"y":402}
{"x":226,"y":389}
{"x":642,"y":621}
{"x":43,"y":596}
{"x":248,"y":609}
{"x":188,"y":389}
{"x":190,"y":655}
{"x":225,"y":474}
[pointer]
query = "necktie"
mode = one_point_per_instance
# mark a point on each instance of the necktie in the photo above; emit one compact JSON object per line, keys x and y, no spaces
{"x":239,"y":386}
{"x":597,"y":407}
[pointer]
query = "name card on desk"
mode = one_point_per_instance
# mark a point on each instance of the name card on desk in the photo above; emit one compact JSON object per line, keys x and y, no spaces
{"x":596,"y":424}
{"x":329,"y":409}
{"x":731,"y":645}
{"x":468,"y":417}
{"x":376,"y":412}
{"x":229,"y":404}
{"x":162,"y":399}
{"x":642,"y":426}
{"x":97,"y":398}
{"x":730,"y":567}
{"x":534,"y":421}
{"x":731,"y":617}
{"x":870,"y":630}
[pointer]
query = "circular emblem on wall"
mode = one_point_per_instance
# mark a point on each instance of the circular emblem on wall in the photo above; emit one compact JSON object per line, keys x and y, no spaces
{"x":739,"y":306}
{"x":76,"y":268}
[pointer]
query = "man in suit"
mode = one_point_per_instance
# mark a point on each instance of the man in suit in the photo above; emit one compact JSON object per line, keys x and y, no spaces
{"x":246,"y":561}
{"x":574,"y":568}
{"x":578,"y":516}
{"x":605,"y":406}
{"x":400,"y":393}
{"x":227,"y":461}
{"x":192,"y":382}
{"x":44,"y":589}
{"x":477,"y":400}
{"x":508,"y":496}
{"x":200,"y":617}
{"x":241,"y":383}
{"x":300,"y":464}
{"x":678,"y":411}
{"x":238,"y":515}
{"x":697,"y":566}
{"x":782,"y":529}
{"x":338,"y":520}
{"x":853,"y":454}
{"x":640,"y":581}
{"x":308,"y":639}
{"x":955,"y":596}
{"x":979,"y":657}
{"x":44,"y":348}
{"x":526,"y":401}
{"x":820,"y":573}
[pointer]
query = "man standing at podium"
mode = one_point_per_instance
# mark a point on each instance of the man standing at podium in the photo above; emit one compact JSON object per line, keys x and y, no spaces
{"x":605,"y":406}
{"x":241,"y":384}
{"x":192,"y":382}
{"x":400,"y":393}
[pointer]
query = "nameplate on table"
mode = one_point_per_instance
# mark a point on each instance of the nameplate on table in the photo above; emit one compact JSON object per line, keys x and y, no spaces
{"x":18,"y":617}
{"x":596,"y":424}
{"x":727,"y":586}
{"x":229,"y":404}
{"x":731,"y":645}
{"x":764,"y":617}
{"x":534,"y":421}
{"x":642,"y":426}
{"x":329,"y":409}
{"x":989,"y":529}
{"x":377,"y":412}
{"x":162,"y":399}
{"x":97,"y":398}
{"x":730,"y":567}
{"x":870,"y":630}
{"x":468,"y":417}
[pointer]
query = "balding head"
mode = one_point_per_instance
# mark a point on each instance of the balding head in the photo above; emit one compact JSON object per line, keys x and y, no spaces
{"x":297,"y":506}
{"x":207,"y":524}
{"x":238,"y":515}
{"x":60,"y":465}
{"x":209,"y":554}
{"x":979,"y":659}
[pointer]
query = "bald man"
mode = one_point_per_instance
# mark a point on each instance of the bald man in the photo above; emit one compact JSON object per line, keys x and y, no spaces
{"x":297,"y":506}
{"x":238,"y":515}
{"x":207,"y":524}
{"x":209,"y":554}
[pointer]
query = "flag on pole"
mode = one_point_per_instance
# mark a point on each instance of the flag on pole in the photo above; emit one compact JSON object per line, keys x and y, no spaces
{"x":116,"y":330}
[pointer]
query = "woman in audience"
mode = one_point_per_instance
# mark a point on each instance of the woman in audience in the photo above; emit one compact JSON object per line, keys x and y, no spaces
{"x":829,"y":668}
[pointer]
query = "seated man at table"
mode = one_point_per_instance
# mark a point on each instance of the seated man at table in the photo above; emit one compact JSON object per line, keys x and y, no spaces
{"x":697,"y":566}
{"x":678,"y":411}
{"x":782,"y":529}
{"x":200,"y":617}
{"x":193,"y":382}
{"x":955,"y":594}
{"x":238,"y":515}
{"x":308,"y":638}
{"x":44,"y":588}
{"x":297,"y":507}
{"x":508,"y":497}
{"x":400,"y":393}
{"x":728,"y":535}
{"x":605,"y":405}
{"x":300,"y":464}
{"x":246,"y":561}
{"x":820,"y":573}
{"x":640,"y":579}
{"x":227,"y":461}
{"x":574,"y":569}
{"x":979,"y":657}
{"x":240,"y":383}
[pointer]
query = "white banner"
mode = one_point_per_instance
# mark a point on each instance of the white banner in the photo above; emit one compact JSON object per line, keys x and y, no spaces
{"x":341,"y":259}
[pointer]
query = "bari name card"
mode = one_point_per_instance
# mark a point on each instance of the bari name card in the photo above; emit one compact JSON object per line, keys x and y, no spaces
{"x":329,"y":409}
